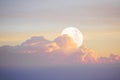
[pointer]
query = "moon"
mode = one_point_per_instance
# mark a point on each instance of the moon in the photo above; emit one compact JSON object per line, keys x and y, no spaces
{"x":75,"y":34}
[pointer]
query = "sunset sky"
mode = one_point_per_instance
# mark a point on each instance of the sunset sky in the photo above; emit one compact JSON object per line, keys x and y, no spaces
{"x":98,"y":20}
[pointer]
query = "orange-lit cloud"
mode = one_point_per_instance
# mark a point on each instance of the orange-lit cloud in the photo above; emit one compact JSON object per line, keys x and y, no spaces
{"x":112,"y":58}
{"x":62,"y":50}
{"x":65,"y":43}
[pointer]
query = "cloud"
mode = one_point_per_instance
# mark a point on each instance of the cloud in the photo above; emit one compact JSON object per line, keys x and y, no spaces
{"x":62,"y":50}
{"x":112,"y":58}
{"x":65,"y":43}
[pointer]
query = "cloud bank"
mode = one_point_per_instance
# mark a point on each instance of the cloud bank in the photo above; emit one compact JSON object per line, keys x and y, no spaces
{"x":60,"y":51}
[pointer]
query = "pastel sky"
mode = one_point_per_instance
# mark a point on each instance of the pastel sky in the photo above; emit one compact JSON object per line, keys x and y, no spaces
{"x":98,"y":20}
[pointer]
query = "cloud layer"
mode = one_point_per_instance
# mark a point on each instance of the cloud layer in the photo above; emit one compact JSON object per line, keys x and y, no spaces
{"x":62,"y":50}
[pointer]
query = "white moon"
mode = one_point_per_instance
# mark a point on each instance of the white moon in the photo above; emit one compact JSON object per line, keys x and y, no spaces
{"x":75,"y":34}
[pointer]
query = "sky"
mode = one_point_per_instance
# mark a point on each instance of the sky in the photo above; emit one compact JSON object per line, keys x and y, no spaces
{"x":98,"y":20}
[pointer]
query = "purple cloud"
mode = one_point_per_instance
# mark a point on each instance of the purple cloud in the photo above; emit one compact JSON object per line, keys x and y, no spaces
{"x":38,"y":51}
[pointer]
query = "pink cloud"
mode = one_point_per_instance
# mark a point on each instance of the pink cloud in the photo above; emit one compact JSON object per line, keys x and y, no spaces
{"x":112,"y":58}
{"x":65,"y":42}
{"x":62,"y":50}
